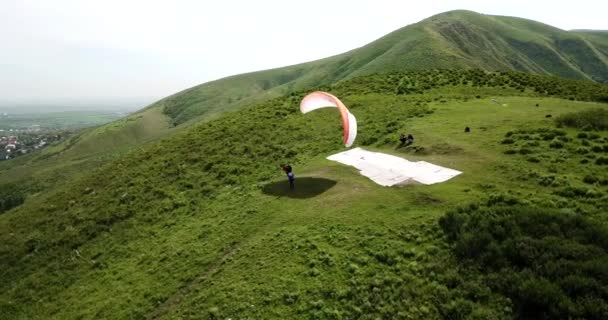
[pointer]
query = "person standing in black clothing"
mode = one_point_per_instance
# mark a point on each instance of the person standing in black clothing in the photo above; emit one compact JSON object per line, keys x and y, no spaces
{"x":290,"y":175}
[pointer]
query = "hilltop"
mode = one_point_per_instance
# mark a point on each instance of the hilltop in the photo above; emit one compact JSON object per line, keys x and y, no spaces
{"x":452,"y":40}
{"x":456,"y":39}
{"x":202,"y":225}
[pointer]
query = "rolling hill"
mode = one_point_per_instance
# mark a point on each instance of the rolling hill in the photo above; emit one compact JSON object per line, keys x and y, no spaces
{"x":456,"y":39}
{"x":180,"y":210}
{"x":202,"y":225}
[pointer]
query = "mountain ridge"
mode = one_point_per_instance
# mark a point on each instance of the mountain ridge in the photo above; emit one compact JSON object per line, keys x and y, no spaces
{"x":451,"y":39}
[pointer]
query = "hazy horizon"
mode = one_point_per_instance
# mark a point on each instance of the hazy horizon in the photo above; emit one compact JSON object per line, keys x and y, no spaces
{"x":126,"y":105}
{"x":69,"y":54}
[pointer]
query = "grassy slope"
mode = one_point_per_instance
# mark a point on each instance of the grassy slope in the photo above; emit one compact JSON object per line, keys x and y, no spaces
{"x":209,"y":229}
{"x":456,"y":39}
{"x":85,"y":151}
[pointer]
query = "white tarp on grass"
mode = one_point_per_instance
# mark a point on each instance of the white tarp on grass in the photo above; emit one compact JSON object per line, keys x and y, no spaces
{"x":387,"y":170}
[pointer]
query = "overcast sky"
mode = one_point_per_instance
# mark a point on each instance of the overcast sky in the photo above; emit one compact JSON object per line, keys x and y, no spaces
{"x":131,"y":52}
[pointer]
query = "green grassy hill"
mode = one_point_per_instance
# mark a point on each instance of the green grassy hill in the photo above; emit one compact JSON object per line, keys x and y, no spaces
{"x":456,"y":39}
{"x":83,"y":152}
{"x":203,"y":225}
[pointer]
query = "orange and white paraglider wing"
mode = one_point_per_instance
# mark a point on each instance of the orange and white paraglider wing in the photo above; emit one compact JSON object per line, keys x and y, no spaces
{"x":320,"y":99}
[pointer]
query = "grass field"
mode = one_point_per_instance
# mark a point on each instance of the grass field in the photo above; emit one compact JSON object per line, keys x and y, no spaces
{"x":203,"y":225}
{"x":58,"y":120}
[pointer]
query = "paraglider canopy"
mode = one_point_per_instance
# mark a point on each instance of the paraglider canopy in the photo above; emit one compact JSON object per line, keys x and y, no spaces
{"x":320,"y":99}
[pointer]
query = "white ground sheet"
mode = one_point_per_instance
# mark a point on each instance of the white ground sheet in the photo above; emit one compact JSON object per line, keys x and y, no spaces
{"x":387,"y":170}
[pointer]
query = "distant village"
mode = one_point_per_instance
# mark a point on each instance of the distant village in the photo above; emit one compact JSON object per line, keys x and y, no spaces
{"x":16,"y":142}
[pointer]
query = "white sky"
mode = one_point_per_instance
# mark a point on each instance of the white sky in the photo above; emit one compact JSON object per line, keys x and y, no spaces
{"x":90,"y":52}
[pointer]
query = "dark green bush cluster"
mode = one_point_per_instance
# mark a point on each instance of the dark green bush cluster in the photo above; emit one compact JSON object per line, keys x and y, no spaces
{"x":416,"y":82}
{"x":545,"y":134}
{"x":556,"y":144}
{"x":550,"y":264}
{"x":10,"y":196}
{"x":594,"y":119}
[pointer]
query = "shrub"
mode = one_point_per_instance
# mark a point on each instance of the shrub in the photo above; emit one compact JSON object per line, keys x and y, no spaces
{"x":507,"y":141}
{"x":582,"y":135}
{"x":594,"y":119}
{"x":576,"y":192}
{"x":10,"y":197}
{"x":546,"y":181}
{"x":601,"y":161}
{"x":532,"y":144}
{"x":510,"y":151}
{"x":547,"y":136}
{"x":597,"y":149}
{"x":590,"y":179}
{"x":546,"y":261}
{"x":556,"y":144}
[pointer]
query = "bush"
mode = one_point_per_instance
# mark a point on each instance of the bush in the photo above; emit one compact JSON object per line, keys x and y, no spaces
{"x":597,"y":149}
{"x":582,"y":135}
{"x":546,"y":261}
{"x":507,"y":141}
{"x":590,"y":179}
{"x":10,"y":197}
{"x":532,"y":144}
{"x":594,"y":119}
{"x":601,"y":161}
{"x":556,"y":144}
{"x":533,"y":159}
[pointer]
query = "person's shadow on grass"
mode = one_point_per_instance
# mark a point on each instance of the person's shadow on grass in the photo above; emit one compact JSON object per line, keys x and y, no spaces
{"x":305,"y":187}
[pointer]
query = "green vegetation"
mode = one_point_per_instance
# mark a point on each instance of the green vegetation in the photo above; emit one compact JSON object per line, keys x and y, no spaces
{"x":550,"y":263}
{"x":202,"y":225}
{"x":11,"y":196}
{"x":596,"y":119}
{"x":82,"y":152}
{"x":456,"y":39}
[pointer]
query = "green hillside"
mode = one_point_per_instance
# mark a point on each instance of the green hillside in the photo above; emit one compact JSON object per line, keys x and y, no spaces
{"x":456,"y":39}
{"x":82,"y":152}
{"x":203,"y":225}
